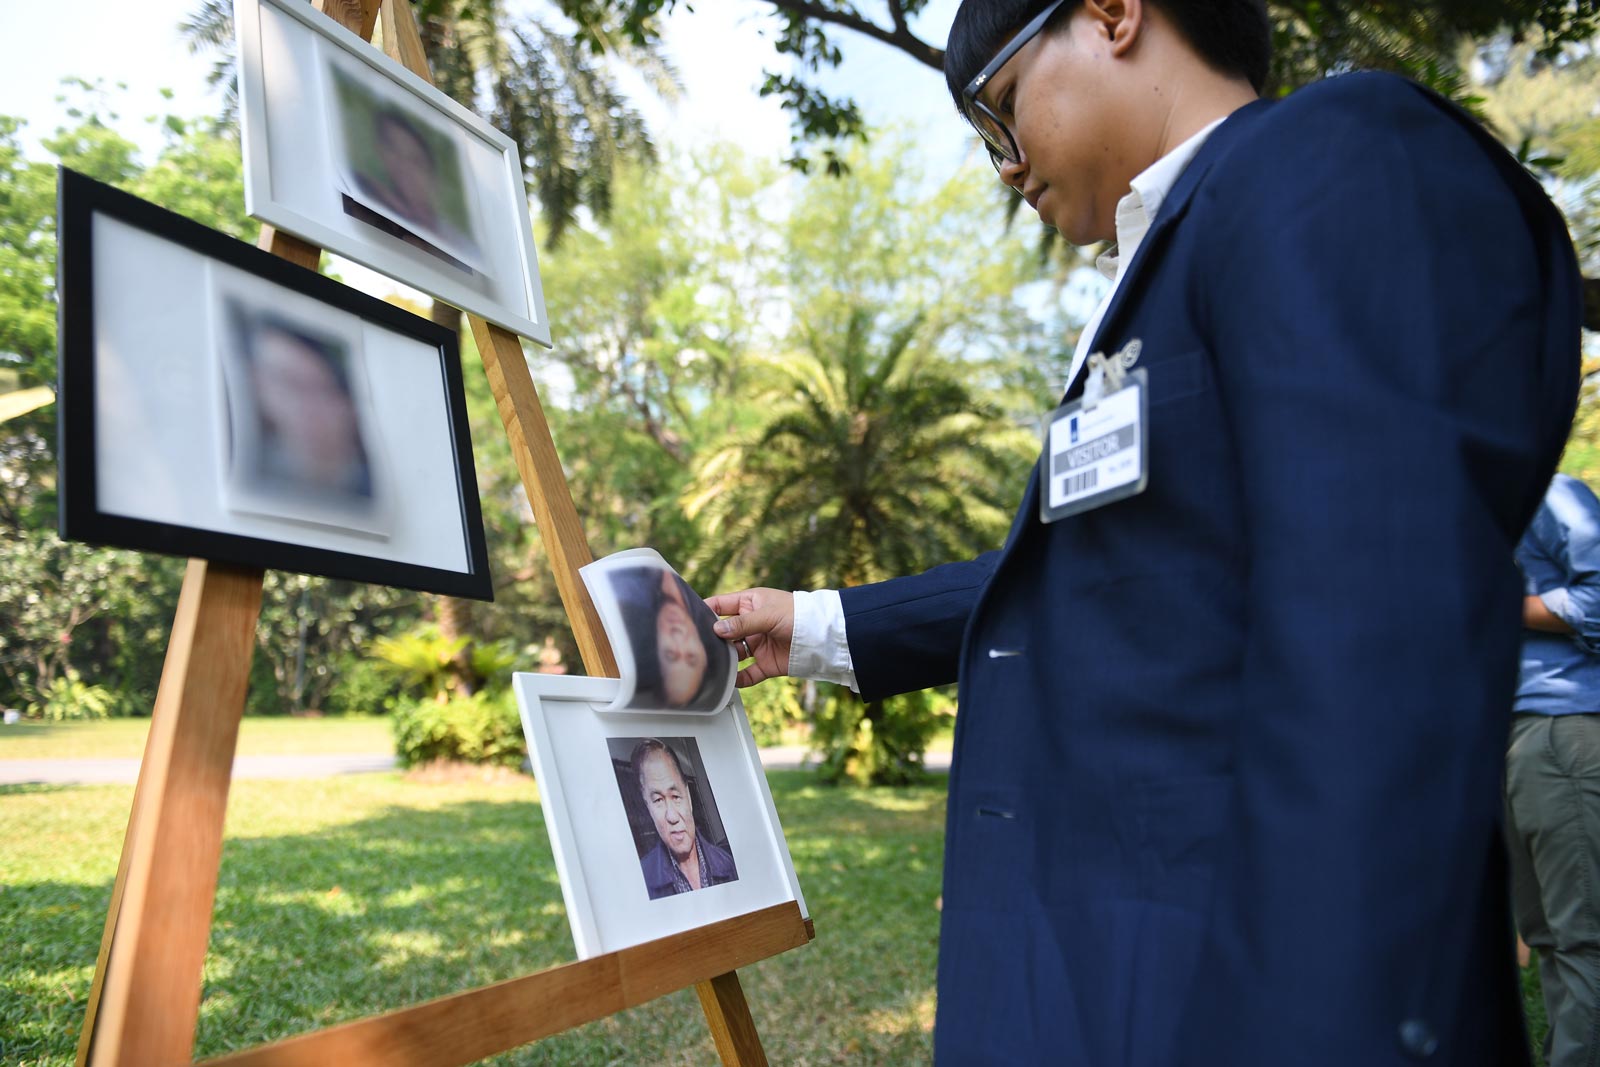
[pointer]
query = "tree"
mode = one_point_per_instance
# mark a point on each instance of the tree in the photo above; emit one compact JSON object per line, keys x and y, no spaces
{"x":661,"y":307}
{"x":868,"y":462}
{"x":884,"y":432}
{"x":558,"y":99}
{"x":1416,"y":37}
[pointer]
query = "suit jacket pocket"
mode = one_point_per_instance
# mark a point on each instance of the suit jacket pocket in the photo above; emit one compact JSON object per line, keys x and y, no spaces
{"x":1180,"y":826}
{"x":1181,"y":376}
{"x":992,"y":845}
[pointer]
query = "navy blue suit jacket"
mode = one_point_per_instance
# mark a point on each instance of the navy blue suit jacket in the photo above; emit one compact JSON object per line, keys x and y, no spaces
{"x":1226,"y":786}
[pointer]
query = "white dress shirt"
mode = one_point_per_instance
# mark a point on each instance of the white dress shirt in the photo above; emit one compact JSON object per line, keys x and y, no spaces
{"x":820,"y":650}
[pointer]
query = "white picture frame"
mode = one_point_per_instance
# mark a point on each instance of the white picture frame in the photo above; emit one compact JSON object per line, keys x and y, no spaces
{"x":599,"y":849}
{"x":334,"y":134}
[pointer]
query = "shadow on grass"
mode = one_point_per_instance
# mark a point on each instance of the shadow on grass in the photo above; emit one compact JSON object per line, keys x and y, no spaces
{"x":26,"y":788}
{"x":414,"y":903}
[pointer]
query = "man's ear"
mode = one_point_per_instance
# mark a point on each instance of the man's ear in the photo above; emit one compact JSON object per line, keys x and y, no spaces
{"x":1120,"y":20}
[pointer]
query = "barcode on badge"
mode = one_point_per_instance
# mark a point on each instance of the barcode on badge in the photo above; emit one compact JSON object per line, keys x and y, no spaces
{"x":1079,"y":483}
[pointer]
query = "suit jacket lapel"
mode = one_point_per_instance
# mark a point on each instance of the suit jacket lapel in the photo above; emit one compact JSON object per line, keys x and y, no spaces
{"x":1150,"y":249}
{"x":1172,"y":209}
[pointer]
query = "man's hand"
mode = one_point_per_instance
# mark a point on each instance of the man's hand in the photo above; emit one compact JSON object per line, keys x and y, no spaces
{"x":760,"y":623}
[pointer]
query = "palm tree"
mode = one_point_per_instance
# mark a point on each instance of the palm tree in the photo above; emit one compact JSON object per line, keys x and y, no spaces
{"x":872,"y":457}
{"x":547,"y":89}
{"x":866,"y":463}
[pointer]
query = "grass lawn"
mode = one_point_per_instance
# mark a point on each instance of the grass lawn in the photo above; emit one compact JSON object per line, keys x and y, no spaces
{"x":274,"y":735}
{"x":342,"y":897}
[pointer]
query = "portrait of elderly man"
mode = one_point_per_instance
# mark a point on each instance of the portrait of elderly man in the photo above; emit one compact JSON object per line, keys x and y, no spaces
{"x":682,"y":859}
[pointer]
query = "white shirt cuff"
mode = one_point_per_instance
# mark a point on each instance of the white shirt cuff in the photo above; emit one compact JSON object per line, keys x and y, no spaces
{"x":819,"y":650}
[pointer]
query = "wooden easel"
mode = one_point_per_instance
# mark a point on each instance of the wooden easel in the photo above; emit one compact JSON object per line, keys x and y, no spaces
{"x":145,"y":1001}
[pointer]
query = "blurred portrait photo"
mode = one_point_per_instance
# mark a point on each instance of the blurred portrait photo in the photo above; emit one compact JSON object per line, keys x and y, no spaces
{"x":401,"y":173}
{"x":679,"y":661}
{"x":672,"y":814}
{"x":298,"y":448}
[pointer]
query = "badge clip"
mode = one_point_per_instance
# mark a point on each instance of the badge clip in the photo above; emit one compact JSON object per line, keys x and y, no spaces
{"x":1107,"y":373}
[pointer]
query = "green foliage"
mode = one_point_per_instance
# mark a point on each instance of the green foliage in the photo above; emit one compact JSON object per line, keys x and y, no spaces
{"x":492,"y":663}
{"x":362,"y":686}
{"x":430,"y":665}
{"x":346,"y":897}
{"x":423,"y":659}
{"x":311,"y":628}
{"x":773,"y":707}
{"x":69,"y":607}
{"x":881,"y":742}
{"x":1313,"y":38}
{"x":660,"y":313}
{"x":879,"y":438}
{"x":481,"y":728}
{"x":69,"y":698}
{"x":867,"y":464}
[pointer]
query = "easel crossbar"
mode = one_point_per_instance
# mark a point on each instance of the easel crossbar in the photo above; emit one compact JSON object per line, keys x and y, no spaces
{"x":466,"y":1027}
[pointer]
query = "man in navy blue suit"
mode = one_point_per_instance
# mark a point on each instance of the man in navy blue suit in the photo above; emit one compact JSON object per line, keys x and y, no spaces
{"x":1225,"y":789}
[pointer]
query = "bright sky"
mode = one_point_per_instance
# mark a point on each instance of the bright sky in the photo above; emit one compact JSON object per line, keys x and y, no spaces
{"x":720,"y":50}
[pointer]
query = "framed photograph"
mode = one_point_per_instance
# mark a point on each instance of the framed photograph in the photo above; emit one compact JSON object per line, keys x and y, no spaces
{"x":660,"y":821}
{"x":667,"y":652}
{"x":217,"y":401}
{"x":347,"y":149}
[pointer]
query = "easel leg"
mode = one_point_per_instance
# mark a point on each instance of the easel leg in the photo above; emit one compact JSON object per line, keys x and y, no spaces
{"x":146,"y":997}
{"x":728,"y":1014}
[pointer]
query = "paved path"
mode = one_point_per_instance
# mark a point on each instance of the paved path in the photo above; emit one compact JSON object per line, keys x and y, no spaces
{"x":126,"y":771}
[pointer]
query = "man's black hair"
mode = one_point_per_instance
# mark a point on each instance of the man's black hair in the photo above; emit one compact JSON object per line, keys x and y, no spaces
{"x":649,"y":747}
{"x":1233,"y":36}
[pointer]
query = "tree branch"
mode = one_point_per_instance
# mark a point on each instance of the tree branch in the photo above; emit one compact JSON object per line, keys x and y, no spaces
{"x":899,"y":37}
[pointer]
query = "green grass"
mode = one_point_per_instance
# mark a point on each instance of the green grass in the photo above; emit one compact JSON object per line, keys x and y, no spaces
{"x":277,"y":735}
{"x":346,"y":896}
{"x":342,"y":897}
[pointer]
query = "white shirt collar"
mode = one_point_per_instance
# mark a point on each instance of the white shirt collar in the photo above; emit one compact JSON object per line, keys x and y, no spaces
{"x":1142,"y":204}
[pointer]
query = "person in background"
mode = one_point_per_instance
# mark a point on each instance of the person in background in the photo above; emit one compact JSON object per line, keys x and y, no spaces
{"x":1553,"y":767}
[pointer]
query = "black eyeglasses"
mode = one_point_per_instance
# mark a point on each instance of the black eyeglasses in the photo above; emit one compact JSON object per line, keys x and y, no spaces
{"x":997,"y":136}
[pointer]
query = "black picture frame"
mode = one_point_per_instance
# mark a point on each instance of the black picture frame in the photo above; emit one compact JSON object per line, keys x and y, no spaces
{"x":80,"y":200}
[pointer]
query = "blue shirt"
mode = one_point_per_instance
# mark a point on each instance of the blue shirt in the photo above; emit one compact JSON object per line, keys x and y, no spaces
{"x":1560,"y":561}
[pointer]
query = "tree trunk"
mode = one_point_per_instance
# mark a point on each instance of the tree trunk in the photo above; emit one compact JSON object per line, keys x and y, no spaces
{"x":454,"y":617}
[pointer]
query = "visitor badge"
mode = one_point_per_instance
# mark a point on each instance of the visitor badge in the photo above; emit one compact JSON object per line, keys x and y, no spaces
{"x":1095,"y":448}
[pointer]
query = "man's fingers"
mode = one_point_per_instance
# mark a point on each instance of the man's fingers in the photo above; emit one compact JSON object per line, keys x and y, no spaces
{"x":724,"y":603}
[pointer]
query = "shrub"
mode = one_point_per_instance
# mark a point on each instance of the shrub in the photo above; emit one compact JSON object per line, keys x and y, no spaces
{"x":364,"y":687}
{"x":429,"y":664}
{"x":423,"y":659}
{"x":877,"y":743}
{"x":770,"y":707}
{"x":69,"y":697}
{"x":476,"y":729}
